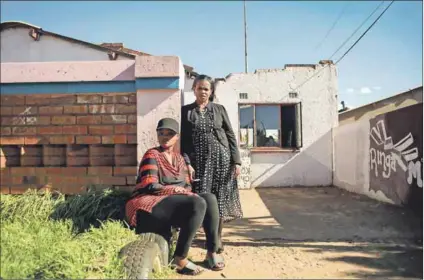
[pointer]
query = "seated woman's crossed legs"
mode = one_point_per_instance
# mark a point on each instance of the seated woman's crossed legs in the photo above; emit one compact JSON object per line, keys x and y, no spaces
{"x":188,"y":213}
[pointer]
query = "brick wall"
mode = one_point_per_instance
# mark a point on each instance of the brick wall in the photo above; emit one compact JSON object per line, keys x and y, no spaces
{"x":69,"y":142}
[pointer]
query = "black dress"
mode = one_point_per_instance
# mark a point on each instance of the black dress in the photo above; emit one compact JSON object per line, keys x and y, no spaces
{"x":212,"y":163}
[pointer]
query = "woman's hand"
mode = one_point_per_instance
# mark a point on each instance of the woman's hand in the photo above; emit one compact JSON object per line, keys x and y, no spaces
{"x":180,"y":190}
{"x":191,"y":172}
{"x":237,"y":170}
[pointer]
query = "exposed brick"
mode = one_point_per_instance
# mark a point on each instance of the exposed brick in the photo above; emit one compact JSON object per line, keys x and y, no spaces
{"x":6,"y":111}
{"x":54,"y":161}
{"x":12,"y":140}
{"x":5,"y":131}
{"x":74,"y":129}
{"x":132,"y":98}
{"x":102,"y":150}
{"x":131,"y":180}
{"x":25,"y":110}
{"x":77,"y":150}
{"x":4,"y":189}
{"x":118,"y":98}
{"x":8,"y":121}
{"x":31,"y":161}
{"x":37,"y":99}
{"x":75,"y":109}
{"x":121,"y":181}
{"x":132,"y":119}
{"x":125,"y":149}
{"x":69,"y":171}
{"x":20,"y":189}
{"x":33,"y":140}
{"x":9,"y":161}
{"x":34,"y":150}
{"x":66,"y":99}
{"x":101,"y":161}
{"x":77,"y":161}
{"x":132,"y":139}
{"x":125,"y":160}
{"x":89,"y":99}
{"x":50,"y":110}
{"x":72,"y":189}
{"x":37,"y":120}
{"x":24,"y":130}
{"x":89,"y":120}
{"x":126,"y":108}
{"x":64,"y":120}
{"x":87,"y":180}
{"x":125,"y":129}
{"x":54,"y":150}
{"x":102,"y":109}
{"x":100,"y":129}
{"x":88,"y":140}
{"x":114,"y":119}
{"x":103,"y":170}
{"x":114,"y":139}
{"x":63,"y":139}
{"x":74,"y":171}
{"x":24,"y":171}
{"x":10,"y":150}
{"x":49,"y":130}
{"x":125,"y":171}
{"x":12,"y":100}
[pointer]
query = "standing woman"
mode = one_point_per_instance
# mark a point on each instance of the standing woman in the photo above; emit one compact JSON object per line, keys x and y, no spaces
{"x":209,"y":145}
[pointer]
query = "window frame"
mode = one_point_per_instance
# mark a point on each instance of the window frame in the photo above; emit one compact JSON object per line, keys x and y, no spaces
{"x":254,"y":148}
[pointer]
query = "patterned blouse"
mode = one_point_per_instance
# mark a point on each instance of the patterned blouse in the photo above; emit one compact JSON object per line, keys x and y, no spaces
{"x":156,"y":180}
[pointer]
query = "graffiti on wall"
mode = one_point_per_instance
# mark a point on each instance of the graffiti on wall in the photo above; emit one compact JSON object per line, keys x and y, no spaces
{"x":395,"y":154}
{"x":244,"y":177}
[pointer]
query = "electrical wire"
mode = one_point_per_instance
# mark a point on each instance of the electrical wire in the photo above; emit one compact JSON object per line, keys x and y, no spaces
{"x":366,"y":31}
{"x":356,"y":42}
{"x":356,"y":30}
{"x":334,"y":25}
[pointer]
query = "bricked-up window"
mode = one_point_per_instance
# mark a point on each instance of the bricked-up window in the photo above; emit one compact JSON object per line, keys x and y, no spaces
{"x":68,"y":155}
{"x":270,"y":125}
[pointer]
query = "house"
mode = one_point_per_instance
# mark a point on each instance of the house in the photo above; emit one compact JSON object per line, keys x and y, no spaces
{"x":284,"y":120}
{"x":401,"y":100}
{"x":24,"y":42}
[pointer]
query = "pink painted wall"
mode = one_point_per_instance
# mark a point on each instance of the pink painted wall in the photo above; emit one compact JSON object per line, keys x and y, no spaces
{"x":65,"y":71}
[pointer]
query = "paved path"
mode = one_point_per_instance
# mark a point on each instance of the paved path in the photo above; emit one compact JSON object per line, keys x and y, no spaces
{"x":318,"y":233}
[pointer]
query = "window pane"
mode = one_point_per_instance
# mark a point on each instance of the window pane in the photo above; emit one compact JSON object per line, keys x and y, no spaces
{"x":246,"y":125}
{"x":288,"y":126}
{"x":268,"y":126}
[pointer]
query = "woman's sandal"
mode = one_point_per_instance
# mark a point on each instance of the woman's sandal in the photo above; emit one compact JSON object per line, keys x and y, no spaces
{"x":190,"y":269}
{"x":213,"y":262}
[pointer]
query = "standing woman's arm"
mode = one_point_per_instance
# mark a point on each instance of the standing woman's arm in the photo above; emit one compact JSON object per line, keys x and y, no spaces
{"x":232,"y":141}
{"x":185,"y":135}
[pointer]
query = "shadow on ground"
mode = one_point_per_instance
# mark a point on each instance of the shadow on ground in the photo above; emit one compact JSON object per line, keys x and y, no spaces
{"x":337,"y":226}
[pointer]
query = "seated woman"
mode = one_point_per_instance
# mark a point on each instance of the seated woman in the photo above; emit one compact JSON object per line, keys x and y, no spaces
{"x":162,"y":198}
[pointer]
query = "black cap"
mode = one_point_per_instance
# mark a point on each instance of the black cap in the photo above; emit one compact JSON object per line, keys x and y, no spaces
{"x":169,"y":124}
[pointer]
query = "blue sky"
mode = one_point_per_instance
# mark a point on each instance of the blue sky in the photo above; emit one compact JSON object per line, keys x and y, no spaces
{"x":209,"y":36}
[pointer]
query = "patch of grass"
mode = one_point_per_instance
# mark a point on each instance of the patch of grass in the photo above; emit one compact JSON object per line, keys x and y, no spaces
{"x":45,"y":236}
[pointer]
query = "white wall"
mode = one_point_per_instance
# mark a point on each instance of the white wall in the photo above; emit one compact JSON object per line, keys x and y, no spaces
{"x":312,"y":165}
{"x":18,"y":46}
{"x":351,"y":159}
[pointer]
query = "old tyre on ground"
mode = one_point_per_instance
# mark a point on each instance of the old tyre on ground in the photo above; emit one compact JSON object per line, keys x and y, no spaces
{"x":145,"y":256}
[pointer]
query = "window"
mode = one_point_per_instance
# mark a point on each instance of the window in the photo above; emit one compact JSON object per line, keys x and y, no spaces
{"x":270,"y":126}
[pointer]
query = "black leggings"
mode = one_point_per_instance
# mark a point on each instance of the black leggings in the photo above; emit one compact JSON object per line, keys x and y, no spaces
{"x":187,"y":213}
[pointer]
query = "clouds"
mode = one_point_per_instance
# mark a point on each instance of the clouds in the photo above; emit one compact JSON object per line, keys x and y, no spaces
{"x":363,"y":90}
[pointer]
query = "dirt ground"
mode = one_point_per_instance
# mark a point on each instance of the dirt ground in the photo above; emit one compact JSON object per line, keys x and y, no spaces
{"x":318,"y":233}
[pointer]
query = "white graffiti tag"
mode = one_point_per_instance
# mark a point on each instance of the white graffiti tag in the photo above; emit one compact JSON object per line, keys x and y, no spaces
{"x":393,"y":155}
